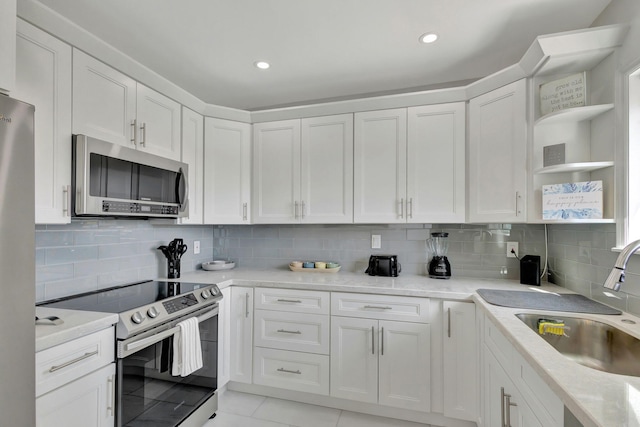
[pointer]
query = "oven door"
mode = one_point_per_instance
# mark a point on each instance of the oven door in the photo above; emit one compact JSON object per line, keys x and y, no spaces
{"x":147,"y":392}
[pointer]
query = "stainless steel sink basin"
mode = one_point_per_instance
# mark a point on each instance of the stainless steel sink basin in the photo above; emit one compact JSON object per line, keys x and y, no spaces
{"x":593,"y":344}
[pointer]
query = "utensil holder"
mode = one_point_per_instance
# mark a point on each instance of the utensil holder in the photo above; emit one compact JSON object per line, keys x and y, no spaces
{"x":173,"y":269}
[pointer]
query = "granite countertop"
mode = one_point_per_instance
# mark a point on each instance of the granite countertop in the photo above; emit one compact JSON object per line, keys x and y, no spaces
{"x":75,"y":324}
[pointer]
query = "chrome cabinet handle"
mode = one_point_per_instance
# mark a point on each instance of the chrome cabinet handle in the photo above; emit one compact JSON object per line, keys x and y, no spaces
{"x":295,"y":210}
{"x":143,"y":128}
{"x":288,"y":371}
{"x":401,"y":208}
{"x":410,"y":208}
{"x":284,"y":331}
{"x":518,"y":203}
{"x":377,"y":307}
{"x":502,"y":400}
{"x":302,"y":208}
{"x":134,"y":132}
{"x":244,"y":211}
{"x":71,"y":362}
{"x":372,"y":341}
{"x":66,"y":195}
{"x":290,"y":300}
{"x":449,"y":322}
{"x":382,"y":341}
{"x":246,"y":305}
{"x":111,"y":384}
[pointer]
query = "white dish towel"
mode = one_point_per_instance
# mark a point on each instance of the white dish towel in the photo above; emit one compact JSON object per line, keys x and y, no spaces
{"x":187,"y":352}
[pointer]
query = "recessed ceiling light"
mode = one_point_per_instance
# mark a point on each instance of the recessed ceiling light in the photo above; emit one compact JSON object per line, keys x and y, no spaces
{"x":428,"y":38}
{"x":263,"y":65}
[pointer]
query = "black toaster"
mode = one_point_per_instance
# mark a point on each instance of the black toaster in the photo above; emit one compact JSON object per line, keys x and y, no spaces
{"x":383,"y":265}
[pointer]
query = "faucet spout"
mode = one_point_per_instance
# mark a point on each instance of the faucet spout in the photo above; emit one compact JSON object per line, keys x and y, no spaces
{"x":616,"y":276}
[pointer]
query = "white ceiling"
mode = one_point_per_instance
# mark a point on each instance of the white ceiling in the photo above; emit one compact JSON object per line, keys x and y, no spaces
{"x":321,"y":49}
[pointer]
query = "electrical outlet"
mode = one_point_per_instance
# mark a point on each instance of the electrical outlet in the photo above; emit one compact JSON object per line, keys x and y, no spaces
{"x":376,"y":241}
{"x":196,"y":247}
{"x":510,"y":246}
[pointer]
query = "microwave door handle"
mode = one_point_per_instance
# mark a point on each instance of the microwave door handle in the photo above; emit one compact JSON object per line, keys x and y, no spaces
{"x":182,"y":190}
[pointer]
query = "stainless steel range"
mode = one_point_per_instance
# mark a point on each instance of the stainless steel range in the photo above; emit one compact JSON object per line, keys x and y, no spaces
{"x":148,"y":316}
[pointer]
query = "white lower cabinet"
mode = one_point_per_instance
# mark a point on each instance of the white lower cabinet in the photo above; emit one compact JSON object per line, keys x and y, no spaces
{"x":514,"y":394}
{"x":224,"y":338}
{"x":75,"y":382}
{"x":241,"y":342}
{"x":85,"y":402}
{"x":381,"y":361}
{"x":460,"y":361}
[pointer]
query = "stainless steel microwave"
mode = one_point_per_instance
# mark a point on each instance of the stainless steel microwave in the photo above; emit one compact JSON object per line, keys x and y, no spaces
{"x":112,"y":180}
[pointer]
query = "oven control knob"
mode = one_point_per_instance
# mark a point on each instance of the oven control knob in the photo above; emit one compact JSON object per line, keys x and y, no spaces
{"x":137,"y":318}
{"x":152,"y":312}
{"x":206,"y":294}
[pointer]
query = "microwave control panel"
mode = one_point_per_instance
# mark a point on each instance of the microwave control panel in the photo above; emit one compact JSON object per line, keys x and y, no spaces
{"x":138,"y":208}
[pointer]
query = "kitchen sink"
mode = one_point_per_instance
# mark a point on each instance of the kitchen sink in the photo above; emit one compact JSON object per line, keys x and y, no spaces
{"x":594,"y":344}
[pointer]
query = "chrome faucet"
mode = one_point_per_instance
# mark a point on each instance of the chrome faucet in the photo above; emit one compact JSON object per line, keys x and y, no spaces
{"x":616,"y":277}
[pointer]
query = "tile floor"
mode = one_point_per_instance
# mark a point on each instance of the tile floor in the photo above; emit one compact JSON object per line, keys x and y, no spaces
{"x":249,"y":410}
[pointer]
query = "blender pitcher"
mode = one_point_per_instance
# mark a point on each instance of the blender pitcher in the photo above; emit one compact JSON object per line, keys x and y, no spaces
{"x":438,"y":245}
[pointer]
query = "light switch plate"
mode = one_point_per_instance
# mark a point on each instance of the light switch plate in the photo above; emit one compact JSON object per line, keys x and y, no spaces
{"x":376,"y":241}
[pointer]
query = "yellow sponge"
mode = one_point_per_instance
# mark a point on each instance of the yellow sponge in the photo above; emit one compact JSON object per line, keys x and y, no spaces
{"x":554,"y":328}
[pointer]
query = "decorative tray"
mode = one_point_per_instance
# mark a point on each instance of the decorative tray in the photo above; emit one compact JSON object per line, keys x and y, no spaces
{"x":314,"y":270}
{"x":217,"y":265}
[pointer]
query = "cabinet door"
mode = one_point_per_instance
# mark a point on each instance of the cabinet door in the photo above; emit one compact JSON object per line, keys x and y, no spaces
{"x":192,"y":153}
{"x":276,"y":172}
{"x":8,"y":45}
{"x":43,"y":79}
{"x":327,"y":170}
{"x":224,"y":338}
{"x":86,"y":402}
{"x":380,"y":160}
{"x":104,"y":101}
{"x":227,"y":174}
{"x":158,"y":121}
{"x":241,"y":334}
{"x":497,"y":155}
{"x":497,"y":386}
{"x":354,"y":359}
{"x":405,"y":365}
{"x":461,"y":394}
{"x":436,"y":163}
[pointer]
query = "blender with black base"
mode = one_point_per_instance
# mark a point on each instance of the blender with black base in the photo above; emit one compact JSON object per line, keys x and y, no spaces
{"x":438,"y":245}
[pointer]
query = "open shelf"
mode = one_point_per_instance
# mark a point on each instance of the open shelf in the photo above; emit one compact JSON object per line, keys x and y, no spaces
{"x":575,"y":167}
{"x":574,"y":115}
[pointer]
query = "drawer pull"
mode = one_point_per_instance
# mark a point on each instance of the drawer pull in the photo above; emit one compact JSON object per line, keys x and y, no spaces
{"x":377,"y":307}
{"x":297,"y":301}
{"x":71,"y":362}
{"x":284,"y":331}
{"x":288,"y":371}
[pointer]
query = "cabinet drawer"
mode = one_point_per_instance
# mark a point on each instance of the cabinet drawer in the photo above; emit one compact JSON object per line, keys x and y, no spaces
{"x":385,"y":307}
{"x":294,"y":300}
{"x":291,"y":370}
{"x":292,"y":331}
{"x":498,"y":344}
{"x":64,"y":363}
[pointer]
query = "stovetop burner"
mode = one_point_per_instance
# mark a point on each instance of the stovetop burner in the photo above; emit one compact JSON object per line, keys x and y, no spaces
{"x":144,"y":305}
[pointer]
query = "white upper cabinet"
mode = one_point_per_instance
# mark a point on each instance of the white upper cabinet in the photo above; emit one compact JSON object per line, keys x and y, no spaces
{"x":192,"y":153}
{"x":8,"y":46}
{"x":43,"y":66}
{"x":498,"y":155}
{"x":327,"y":170}
{"x":302,"y":170}
{"x":436,"y":163}
{"x":380,"y":160}
{"x":111,"y":106}
{"x":227,"y":172}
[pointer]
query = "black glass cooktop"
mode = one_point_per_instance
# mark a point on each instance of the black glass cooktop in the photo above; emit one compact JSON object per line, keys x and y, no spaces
{"x":123,"y":298}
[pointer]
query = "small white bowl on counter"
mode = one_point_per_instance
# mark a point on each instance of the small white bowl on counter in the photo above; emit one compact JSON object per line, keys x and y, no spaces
{"x":218,"y":265}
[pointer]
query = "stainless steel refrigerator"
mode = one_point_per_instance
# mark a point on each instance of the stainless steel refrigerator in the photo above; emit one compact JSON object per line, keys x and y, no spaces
{"x":17,"y":264}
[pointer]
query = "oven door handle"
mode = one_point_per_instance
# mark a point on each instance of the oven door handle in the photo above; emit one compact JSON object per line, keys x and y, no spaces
{"x":145,"y":342}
